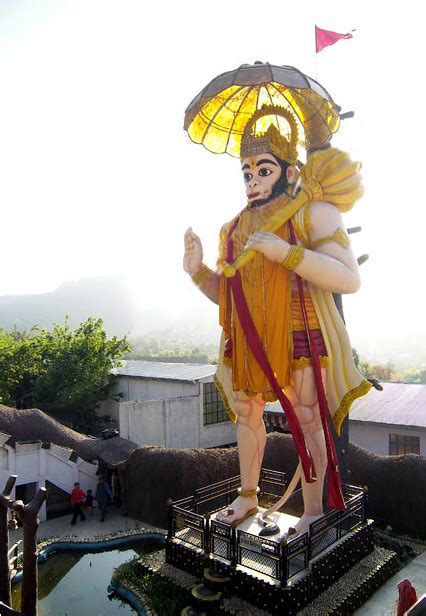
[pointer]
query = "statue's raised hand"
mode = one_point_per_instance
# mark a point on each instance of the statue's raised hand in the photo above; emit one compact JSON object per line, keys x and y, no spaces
{"x":193,"y":257}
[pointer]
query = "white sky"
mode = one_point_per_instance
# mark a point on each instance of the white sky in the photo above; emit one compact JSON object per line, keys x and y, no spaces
{"x":97,"y":175}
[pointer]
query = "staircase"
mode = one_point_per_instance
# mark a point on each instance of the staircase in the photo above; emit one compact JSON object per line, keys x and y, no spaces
{"x":208,"y":594}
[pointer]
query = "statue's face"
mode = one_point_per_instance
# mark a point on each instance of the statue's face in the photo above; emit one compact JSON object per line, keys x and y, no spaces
{"x":261,"y":173}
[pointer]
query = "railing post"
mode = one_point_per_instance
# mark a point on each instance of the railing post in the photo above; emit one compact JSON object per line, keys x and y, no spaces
{"x":364,"y":504}
{"x":234,"y":549}
{"x":283,"y":555}
{"x":207,"y":535}
{"x":169,"y":518}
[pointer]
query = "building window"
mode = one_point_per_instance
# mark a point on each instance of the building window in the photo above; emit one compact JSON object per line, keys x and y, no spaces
{"x":214,"y":411}
{"x":400,"y":443}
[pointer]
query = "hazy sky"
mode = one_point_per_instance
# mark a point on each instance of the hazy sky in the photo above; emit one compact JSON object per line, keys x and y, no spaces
{"x":98,"y":176}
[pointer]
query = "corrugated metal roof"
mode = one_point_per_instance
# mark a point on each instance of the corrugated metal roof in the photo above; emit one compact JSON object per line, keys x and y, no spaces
{"x":398,"y":403}
{"x":162,"y":370}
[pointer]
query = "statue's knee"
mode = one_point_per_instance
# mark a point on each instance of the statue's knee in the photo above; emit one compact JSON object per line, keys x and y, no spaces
{"x":306,"y":416}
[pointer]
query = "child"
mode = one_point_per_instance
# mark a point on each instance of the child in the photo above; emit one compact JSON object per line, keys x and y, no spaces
{"x":88,"y":503}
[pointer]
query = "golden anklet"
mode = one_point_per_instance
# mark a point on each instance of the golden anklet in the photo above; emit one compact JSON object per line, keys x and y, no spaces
{"x":247,"y":493}
{"x":294,"y":257}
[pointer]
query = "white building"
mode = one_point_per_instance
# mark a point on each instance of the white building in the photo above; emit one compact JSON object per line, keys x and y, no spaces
{"x":388,"y":422}
{"x":392,"y":421}
{"x":170,"y":405}
{"x":37,"y":465}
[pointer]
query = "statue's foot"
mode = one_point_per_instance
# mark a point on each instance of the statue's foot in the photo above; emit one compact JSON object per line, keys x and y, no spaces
{"x":301,"y":527}
{"x":238,"y":511}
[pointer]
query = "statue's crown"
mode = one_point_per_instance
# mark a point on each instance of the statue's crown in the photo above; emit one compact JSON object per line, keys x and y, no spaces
{"x":285,"y":147}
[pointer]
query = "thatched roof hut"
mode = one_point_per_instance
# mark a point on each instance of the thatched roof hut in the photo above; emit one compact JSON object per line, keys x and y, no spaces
{"x":396,"y":484}
{"x":28,"y":425}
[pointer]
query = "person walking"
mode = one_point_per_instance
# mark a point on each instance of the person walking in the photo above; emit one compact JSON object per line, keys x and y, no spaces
{"x":77,"y":500}
{"x":103,"y":496}
{"x":88,"y":503}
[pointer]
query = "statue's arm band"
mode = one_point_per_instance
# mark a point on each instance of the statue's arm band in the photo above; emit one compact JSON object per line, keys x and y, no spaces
{"x":339,"y":237}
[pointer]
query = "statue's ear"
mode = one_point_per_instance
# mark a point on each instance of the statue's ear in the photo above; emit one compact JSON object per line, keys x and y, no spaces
{"x":292,"y":174}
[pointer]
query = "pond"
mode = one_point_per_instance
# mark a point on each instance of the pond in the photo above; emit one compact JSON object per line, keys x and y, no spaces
{"x":76,"y":583}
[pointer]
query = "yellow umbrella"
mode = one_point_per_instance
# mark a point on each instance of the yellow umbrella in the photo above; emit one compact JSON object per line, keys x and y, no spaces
{"x":217,"y":116}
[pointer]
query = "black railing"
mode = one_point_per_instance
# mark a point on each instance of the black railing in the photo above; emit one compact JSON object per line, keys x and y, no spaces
{"x":260,"y":554}
{"x":190,"y":522}
{"x":189,"y":527}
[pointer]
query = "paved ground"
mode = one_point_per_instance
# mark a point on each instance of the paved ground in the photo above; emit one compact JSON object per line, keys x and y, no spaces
{"x":92,"y":526}
{"x":382,"y":603}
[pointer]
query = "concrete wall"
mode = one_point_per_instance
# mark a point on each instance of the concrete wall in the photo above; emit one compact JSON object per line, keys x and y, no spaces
{"x":375,"y":437}
{"x":167,"y":423}
{"x":33,"y":464}
{"x":133,"y":388}
{"x":173,"y":423}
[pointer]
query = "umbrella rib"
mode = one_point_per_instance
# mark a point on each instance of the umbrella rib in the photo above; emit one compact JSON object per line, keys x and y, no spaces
{"x":235,"y":117}
{"x":272,"y":104}
{"x":288,"y":102}
{"x":211,"y":120}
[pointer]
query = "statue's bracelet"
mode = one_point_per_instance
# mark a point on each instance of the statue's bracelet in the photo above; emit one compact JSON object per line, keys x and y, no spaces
{"x":201,"y":275}
{"x":294,"y":257}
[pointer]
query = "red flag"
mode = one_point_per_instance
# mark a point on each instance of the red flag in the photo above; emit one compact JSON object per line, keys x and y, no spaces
{"x":324,"y":38}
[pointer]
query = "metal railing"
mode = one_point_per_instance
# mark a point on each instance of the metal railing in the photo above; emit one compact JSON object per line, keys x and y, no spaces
{"x":280,"y":561}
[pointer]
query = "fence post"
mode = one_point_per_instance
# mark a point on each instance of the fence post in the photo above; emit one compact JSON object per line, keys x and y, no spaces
{"x":169,"y":518}
{"x":233,"y":547}
{"x":283,"y":554}
{"x":206,"y":523}
{"x":28,"y":515}
{"x":5,"y":502}
{"x":364,"y":503}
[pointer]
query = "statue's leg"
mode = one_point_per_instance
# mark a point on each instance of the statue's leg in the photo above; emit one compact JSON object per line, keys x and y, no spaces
{"x":303,"y":395}
{"x":251,"y":439}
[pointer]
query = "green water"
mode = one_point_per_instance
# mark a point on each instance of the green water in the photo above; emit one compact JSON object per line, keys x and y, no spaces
{"x":76,"y":583}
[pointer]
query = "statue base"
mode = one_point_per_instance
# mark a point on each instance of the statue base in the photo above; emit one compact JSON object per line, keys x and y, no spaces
{"x":277,"y":577}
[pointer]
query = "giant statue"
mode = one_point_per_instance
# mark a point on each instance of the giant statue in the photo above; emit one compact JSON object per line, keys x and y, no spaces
{"x":280,"y":260}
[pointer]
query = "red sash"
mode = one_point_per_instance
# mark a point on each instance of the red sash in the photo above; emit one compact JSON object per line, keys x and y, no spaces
{"x":335,"y":496}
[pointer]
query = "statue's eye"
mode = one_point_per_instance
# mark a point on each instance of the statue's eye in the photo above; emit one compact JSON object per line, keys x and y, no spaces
{"x":248,"y":177}
{"x":264,"y":172}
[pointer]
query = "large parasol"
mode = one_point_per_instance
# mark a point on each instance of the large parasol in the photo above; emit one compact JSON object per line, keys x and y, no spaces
{"x":217,"y":116}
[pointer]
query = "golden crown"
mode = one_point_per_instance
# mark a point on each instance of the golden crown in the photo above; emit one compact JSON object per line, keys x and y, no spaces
{"x":272,"y":140}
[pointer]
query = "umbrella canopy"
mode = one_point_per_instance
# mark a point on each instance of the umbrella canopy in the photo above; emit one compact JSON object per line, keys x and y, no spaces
{"x":217,"y":116}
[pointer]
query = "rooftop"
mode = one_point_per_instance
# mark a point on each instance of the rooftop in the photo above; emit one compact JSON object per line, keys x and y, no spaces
{"x":398,"y":404}
{"x":163,"y":370}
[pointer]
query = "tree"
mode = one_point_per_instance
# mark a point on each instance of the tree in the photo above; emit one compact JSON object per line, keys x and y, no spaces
{"x":381,"y":372}
{"x":415,"y":376}
{"x":63,"y":372}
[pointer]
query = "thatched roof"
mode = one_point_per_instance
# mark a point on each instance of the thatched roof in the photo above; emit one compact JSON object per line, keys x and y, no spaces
{"x":34,"y":425}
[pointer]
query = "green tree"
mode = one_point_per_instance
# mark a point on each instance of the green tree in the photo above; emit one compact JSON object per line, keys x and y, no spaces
{"x":381,"y":372}
{"x":415,"y":376}
{"x":64,"y":372}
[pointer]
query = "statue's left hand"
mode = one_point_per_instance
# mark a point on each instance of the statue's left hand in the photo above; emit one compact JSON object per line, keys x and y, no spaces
{"x":273,"y":247}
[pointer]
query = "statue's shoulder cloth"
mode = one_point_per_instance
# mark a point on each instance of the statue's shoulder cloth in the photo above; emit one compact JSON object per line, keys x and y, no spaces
{"x":302,"y":224}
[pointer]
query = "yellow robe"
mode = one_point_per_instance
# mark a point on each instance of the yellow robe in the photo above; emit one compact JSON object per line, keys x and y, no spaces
{"x":267,"y":290}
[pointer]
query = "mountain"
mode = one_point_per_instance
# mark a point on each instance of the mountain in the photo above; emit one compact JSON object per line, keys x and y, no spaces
{"x":106,"y":297}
